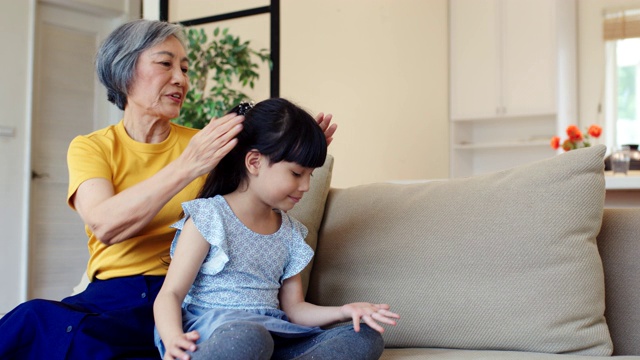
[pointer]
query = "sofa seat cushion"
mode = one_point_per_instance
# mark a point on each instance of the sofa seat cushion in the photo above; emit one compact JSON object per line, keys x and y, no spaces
{"x":503,"y":261}
{"x":456,"y":354}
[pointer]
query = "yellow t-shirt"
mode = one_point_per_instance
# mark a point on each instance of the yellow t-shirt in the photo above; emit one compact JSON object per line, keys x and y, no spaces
{"x":111,"y":154}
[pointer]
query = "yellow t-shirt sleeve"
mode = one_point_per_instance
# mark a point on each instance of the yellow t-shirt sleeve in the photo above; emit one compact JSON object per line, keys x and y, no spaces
{"x":86,"y":160}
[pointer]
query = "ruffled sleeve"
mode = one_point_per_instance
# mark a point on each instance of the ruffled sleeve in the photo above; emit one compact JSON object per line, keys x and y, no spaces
{"x":300,"y":253}
{"x":207,"y":218}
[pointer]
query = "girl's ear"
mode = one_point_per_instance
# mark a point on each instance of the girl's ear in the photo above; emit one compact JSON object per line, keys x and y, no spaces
{"x":252,"y":161}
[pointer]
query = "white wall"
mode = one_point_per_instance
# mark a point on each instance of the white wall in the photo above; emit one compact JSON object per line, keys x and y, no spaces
{"x":16,"y":22}
{"x":381,"y":67}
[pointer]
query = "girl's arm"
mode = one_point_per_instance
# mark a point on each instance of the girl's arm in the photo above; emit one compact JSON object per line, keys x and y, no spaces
{"x":189,"y":254}
{"x":304,"y":313}
{"x":114,"y":218}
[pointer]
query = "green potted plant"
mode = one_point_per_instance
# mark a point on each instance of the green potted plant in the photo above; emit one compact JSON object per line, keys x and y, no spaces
{"x":218,"y":71}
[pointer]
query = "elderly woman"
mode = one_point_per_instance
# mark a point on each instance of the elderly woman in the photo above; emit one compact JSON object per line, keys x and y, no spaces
{"x":127,"y":182}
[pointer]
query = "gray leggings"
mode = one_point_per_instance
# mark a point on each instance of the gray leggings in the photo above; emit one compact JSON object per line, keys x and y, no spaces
{"x":248,"y":340}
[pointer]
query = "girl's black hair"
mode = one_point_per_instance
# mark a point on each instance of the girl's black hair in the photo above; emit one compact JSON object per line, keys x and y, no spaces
{"x":279,"y":130}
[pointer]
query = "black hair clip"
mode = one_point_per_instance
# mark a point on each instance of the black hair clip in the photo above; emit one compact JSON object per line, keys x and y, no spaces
{"x":244,"y":107}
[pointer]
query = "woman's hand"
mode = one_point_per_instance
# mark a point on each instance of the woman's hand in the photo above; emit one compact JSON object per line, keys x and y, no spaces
{"x":327,"y":127}
{"x":177,"y":347}
{"x":212,"y":143}
{"x":371,"y":314}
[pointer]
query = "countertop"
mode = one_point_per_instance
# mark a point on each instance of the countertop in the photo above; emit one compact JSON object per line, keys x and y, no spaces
{"x":631,"y":181}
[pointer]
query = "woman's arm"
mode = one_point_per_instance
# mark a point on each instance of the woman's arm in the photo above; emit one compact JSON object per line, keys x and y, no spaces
{"x":304,"y":313}
{"x":117,"y":217}
{"x":189,"y":254}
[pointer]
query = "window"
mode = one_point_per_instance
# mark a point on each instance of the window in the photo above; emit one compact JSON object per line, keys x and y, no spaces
{"x":622,"y":35}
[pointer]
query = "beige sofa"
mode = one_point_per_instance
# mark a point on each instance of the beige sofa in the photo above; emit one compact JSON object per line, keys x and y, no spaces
{"x":520,"y":264}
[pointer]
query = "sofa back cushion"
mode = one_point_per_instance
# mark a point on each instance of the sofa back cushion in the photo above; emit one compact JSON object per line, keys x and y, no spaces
{"x":619,"y":245}
{"x":504,"y":261}
{"x":310,"y":209}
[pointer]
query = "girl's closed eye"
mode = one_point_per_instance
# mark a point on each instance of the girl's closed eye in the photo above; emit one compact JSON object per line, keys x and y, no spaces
{"x":299,"y":171}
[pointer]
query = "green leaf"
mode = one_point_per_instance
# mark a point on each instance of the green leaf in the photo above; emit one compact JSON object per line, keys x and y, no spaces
{"x":218,"y":64}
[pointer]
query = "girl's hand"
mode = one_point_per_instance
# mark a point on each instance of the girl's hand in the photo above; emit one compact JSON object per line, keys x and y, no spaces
{"x":325,"y":124}
{"x":177,"y":346}
{"x":371,"y":314}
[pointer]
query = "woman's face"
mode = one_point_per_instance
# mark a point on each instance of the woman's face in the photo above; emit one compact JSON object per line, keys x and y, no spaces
{"x":160,"y":81}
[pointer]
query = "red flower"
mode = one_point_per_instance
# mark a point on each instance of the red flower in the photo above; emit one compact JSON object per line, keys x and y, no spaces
{"x":595,"y":131}
{"x":576,"y":139}
{"x":574,"y":133}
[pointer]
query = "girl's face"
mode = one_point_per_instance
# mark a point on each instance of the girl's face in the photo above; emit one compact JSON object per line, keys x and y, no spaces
{"x":281,"y":185}
{"x":160,"y":82}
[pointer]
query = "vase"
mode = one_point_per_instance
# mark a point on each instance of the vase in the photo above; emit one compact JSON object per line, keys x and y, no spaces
{"x":634,"y":155}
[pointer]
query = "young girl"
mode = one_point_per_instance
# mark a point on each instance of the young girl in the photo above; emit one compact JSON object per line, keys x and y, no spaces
{"x":234,"y":284}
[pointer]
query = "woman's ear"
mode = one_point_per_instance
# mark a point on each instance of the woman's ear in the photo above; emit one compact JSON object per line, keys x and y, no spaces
{"x":252,"y":161}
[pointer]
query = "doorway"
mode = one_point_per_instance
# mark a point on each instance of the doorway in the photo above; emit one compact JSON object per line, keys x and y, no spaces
{"x":68,"y":101}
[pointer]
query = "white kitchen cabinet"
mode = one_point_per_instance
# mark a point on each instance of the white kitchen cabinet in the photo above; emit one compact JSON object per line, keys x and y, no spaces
{"x":512,"y":80}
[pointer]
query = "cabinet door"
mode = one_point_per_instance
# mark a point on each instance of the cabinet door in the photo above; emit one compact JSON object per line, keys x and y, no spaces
{"x":529,"y":57}
{"x":474,"y":58}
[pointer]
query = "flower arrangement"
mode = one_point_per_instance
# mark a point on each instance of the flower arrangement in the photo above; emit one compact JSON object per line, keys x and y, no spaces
{"x":576,"y":138}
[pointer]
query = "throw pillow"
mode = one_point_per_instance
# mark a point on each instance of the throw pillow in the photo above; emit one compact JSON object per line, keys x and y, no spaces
{"x":503,"y":261}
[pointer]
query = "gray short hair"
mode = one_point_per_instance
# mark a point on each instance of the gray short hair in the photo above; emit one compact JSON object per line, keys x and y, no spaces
{"x":117,"y":57}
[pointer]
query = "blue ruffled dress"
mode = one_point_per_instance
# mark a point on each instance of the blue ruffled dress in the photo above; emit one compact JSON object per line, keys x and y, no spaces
{"x":241,"y":275}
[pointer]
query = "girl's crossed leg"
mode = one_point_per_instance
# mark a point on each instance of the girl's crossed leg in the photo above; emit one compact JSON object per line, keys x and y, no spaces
{"x":248,"y":340}
{"x":236,"y":340}
{"x":336,"y":343}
